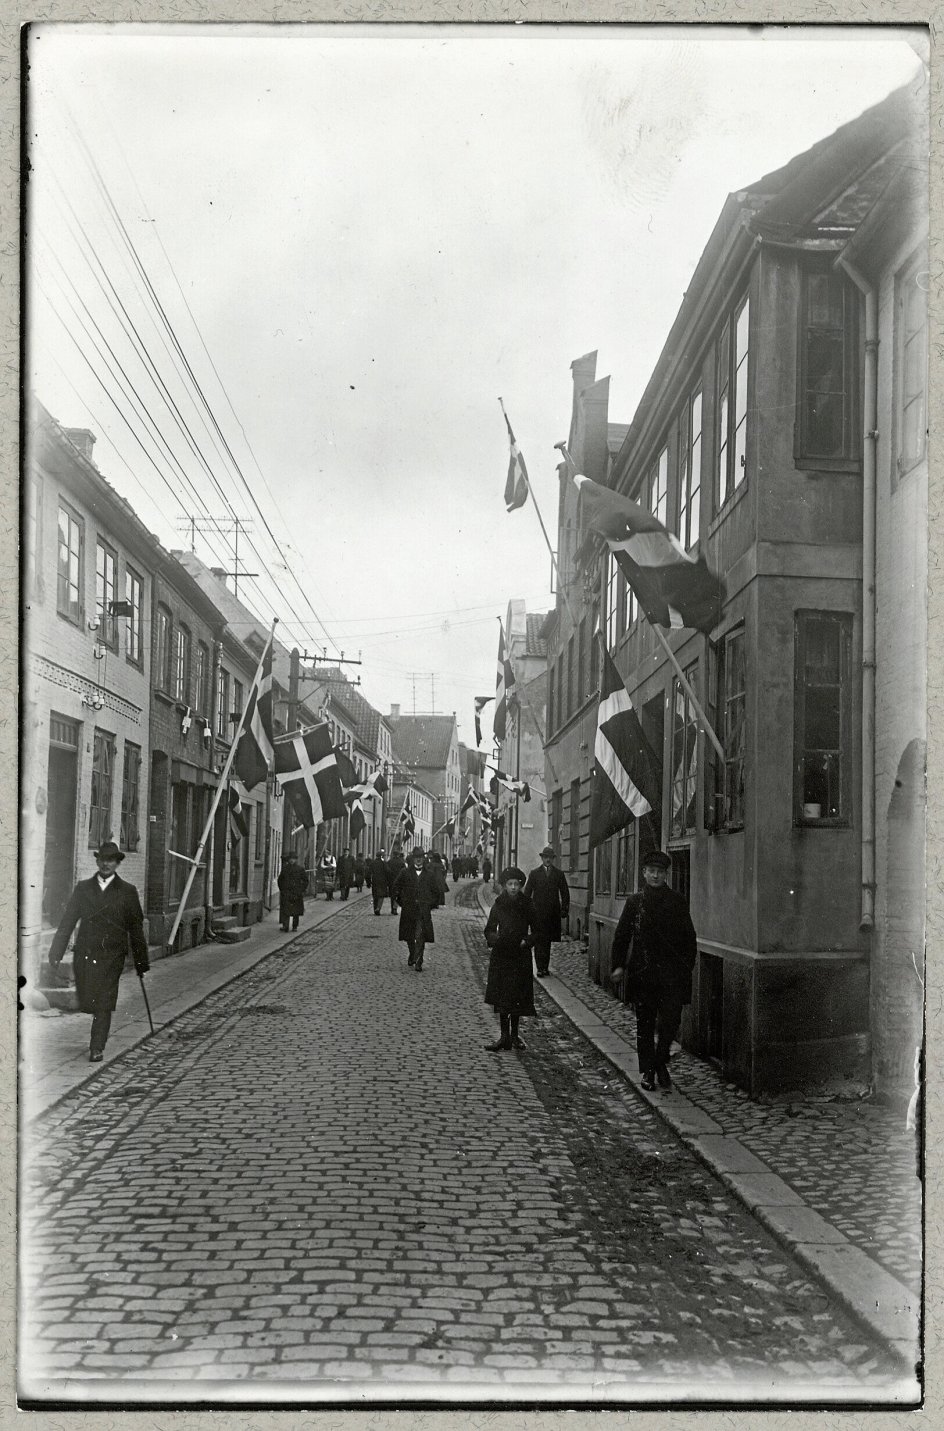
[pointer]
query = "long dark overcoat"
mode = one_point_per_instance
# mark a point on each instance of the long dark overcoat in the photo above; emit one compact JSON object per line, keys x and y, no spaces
{"x":509,"y":987}
{"x":110,"y":923}
{"x":655,"y":930}
{"x":548,"y":891}
{"x":293,"y":884}
{"x":395,"y":864}
{"x":345,"y":870}
{"x":417,"y":896}
{"x":377,"y":872}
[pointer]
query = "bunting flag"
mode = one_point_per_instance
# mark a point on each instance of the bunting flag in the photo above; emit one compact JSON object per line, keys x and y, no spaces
{"x":238,"y":814}
{"x":516,"y":483}
{"x":504,"y":688}
{"x":306,"y":768}
{"x":254,"y":753}
{"x":674,"y":588}
{"x":627,"y":776}
{"x":520,"y":788}
{"x":480,"y":703}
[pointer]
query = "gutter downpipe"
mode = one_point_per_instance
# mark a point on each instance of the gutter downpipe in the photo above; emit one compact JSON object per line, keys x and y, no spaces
{"x":869,"y":469}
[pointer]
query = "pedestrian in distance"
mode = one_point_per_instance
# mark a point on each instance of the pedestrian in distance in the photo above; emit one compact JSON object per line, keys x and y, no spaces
{"x":509,"y":934}
{"x":456,"y":869}
{"x":377,"y":876}
{"x":110,"y":919}
{"x":328,"y":869}
{"x":438,"y":869}
{"x":345,"y":872}
{"x":549,"y":893}
{"x":654,"y":951}
{"x":360,"y":872}
{"x":486,"y":869}
{"x":395,"y":864}
{"x":417,"y":893}
{"x":293,"y":885}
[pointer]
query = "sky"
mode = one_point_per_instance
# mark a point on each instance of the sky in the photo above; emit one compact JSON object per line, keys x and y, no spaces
{"x":285,"y":273}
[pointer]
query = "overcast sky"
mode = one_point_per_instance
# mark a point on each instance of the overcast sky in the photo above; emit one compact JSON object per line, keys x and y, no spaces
{"x":361,"y":237}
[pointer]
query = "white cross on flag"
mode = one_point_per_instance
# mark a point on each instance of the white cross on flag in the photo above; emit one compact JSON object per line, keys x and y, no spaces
{"x":307,"y":771}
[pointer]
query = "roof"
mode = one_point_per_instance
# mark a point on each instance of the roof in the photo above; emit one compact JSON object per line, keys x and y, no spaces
{"x":422,"y":742}
{"x":534,"y":642}
{"x":366,"y":719}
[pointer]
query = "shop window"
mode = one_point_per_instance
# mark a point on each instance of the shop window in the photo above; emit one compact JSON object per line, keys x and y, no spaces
{"x":100,"y":797}
{"x":828,"y":369}
{"x":70,"y":571}
{"x":823,"y":718}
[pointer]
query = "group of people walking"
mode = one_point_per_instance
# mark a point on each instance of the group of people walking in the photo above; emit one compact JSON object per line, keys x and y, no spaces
{"x":654,"y":946}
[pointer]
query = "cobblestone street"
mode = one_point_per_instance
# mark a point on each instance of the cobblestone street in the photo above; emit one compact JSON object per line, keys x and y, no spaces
{"x":317,"y":1185}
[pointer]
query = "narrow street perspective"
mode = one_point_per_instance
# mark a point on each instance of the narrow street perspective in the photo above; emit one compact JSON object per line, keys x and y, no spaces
{"x":320,"y":1179}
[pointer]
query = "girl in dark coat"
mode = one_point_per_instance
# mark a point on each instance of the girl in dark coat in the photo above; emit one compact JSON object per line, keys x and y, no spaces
{"x":293,"y":882}
{"x":509,"y":934}
{"x":417,"y":893}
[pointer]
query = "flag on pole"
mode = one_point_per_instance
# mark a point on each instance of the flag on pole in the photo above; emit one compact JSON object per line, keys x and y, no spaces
{"x":516,"y":483}
{"x":504,"y":688}
{"x":307,"y":770}
{"x":517,"y":787}
{"x":674,"y":588}
{"x":449,"y":830}
{"x":357,"y":821}
{"x":407,"y":821}
{"x":627,"y":775}
{"x":480,"y":703}
{"x":471,"y":801}
{"x":238,"y":816}
{"x":254,"y":753}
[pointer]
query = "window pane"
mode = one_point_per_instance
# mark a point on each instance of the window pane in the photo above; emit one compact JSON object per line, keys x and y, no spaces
{"x":823,"y":708}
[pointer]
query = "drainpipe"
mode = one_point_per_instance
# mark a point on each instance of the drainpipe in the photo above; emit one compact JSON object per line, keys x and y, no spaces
{"x":869,"y":442}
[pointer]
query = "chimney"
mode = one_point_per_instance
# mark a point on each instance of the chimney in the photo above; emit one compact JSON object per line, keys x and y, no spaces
{"x":81,"y":438}
{"x":219,"y":572}
{"x":395,"y":712}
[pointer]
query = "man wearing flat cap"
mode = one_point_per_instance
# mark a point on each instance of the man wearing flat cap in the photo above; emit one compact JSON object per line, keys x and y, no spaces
{"x":549,"y":894}
{"x":654,"y":949}
{"x":108,"y":912}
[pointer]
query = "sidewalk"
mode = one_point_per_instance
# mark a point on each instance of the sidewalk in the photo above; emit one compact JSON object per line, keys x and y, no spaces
{"x":53,"y":1050}
{"x":834,"y":1180}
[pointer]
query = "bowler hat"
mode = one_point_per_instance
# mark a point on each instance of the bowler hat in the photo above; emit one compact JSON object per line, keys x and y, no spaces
{"x":548,"y":850}
{"x":657,"y":858}
{"x":418,"y":851}
{"x":108,"y":850}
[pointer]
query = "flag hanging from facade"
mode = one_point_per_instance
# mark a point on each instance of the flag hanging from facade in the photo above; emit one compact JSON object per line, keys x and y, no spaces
{"x":254,"y":754}
{"x":504,"y":688}
{"x":673,"y":587}
{"x":516,"y":483}
{"x":471,"y":802}
{"x":480,"y":703}
{"x":627,"y":774}
{"x":238,"y":811}
{"x":520,"y":788}
{"x":346,"y":770}
{"x":357,"y":821}
{"x":307,"y":770}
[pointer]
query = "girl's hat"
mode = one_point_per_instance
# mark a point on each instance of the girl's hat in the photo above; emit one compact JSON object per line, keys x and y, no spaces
{"x":512,"y":872}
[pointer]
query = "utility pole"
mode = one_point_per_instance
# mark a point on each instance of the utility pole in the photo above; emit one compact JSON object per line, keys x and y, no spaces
{"x":291,"y":721}
{"x":220,"y":526}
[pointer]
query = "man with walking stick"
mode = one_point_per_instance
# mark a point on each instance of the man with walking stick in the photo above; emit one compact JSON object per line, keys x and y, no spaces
{"x":110,"y":919}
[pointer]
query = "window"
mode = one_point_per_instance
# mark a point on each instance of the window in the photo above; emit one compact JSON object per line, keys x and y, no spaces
{"x":103,"y":766}
{"x":689,"y":472}
{"x":732,"y":401}
{"x":570,"y":679}
{"x":626,"y":859}
{"x":657,"y":488}
{"x":106,"y":583}
{"x":260,"y":833}
{"x":130,"y":782}
{"x":613,"y":580}
{"x":911,"y":344}
{"x":828,"y":368}
{"x":573,"y":848}
{"x":134,"y":587}
{"x":202,"y":678}
{"x":551,"y":717}
{"x":179,"y":837}
{"x":222,"y":703}
{"x":581,"y":663}
{"x":628,"y":605}
{"x":557,"y":819}
{"x":602,"y":859}
{"x":163,"y":650}
{"x":733,"y":706}
{"x":684,"y":757}
{"x":182,"y":649}
{"x":71,"y":557}
{"x":594,"y":650}
{"x":823,"y":718}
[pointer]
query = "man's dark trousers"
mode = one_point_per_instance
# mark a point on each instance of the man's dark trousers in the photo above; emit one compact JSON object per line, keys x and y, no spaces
{"x":658,"y":1017}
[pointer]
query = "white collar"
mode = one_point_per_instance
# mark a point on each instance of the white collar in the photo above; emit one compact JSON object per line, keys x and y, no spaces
{"x":104,"y":880}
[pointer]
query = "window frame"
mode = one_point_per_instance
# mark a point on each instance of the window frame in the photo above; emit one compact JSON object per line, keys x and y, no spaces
{"x":625,"y":879}
{"x":182,"y":663}
{"x":222,"y":703}
{"x":201,"y":681}
{"x":730,"y":420}
{"x":106,"y":557}
{"x":573,"y":831}
{"x":851,"y":457}
{"x":130,"y":824}
{"x":845,"y":623}
{"x":690,"y":448}
{"x":684,"y":785}
{"x":134,"y":632}
{"x":102,"y":786}
{"x":64,"y":606}
{"x":614,"y":580}
{"x":163,"y":648}
{"x":603,"y":867}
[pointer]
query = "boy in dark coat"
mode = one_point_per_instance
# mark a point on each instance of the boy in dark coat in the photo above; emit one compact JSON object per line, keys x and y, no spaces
{"x":378,"y":880}
{"x":110,"y":919}
{"x":658,"y":971}
{"x":509,"y":987}
{"x":548,"y":891}
{"x":417,"y":892}
{"x":293,"y":883}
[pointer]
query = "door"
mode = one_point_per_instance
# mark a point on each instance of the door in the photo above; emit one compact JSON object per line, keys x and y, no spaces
{"x":62,"y":797}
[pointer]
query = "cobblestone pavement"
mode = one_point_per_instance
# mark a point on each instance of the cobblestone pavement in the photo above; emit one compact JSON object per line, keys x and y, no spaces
{"x":318,"y":1185}
{"x":851,"y":1160}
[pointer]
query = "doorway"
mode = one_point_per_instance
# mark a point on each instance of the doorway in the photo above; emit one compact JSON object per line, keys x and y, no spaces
{"x":62,"y":798}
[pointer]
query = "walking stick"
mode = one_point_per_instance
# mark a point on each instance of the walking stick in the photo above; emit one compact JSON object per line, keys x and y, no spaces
{"x":146,"y":1004}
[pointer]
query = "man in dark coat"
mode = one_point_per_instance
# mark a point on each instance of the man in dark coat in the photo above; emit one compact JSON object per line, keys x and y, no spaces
{"x":417,"y":892}
{"x":437,"y":866}
{"x":456,"y":869}
{"x":548,"y":891}
{"x":378,"y":880}
{"x":345,"y":871}
{"x":110,"y":919}
{"x":293,"y":884}
{"x":658,"y":970}
{"x":487,"y":869}
{"x":395,"y":864}
{"x":360,"y":872}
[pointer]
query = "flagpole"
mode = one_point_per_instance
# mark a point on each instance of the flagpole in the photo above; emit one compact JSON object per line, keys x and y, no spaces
{"x":224,"y":777}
